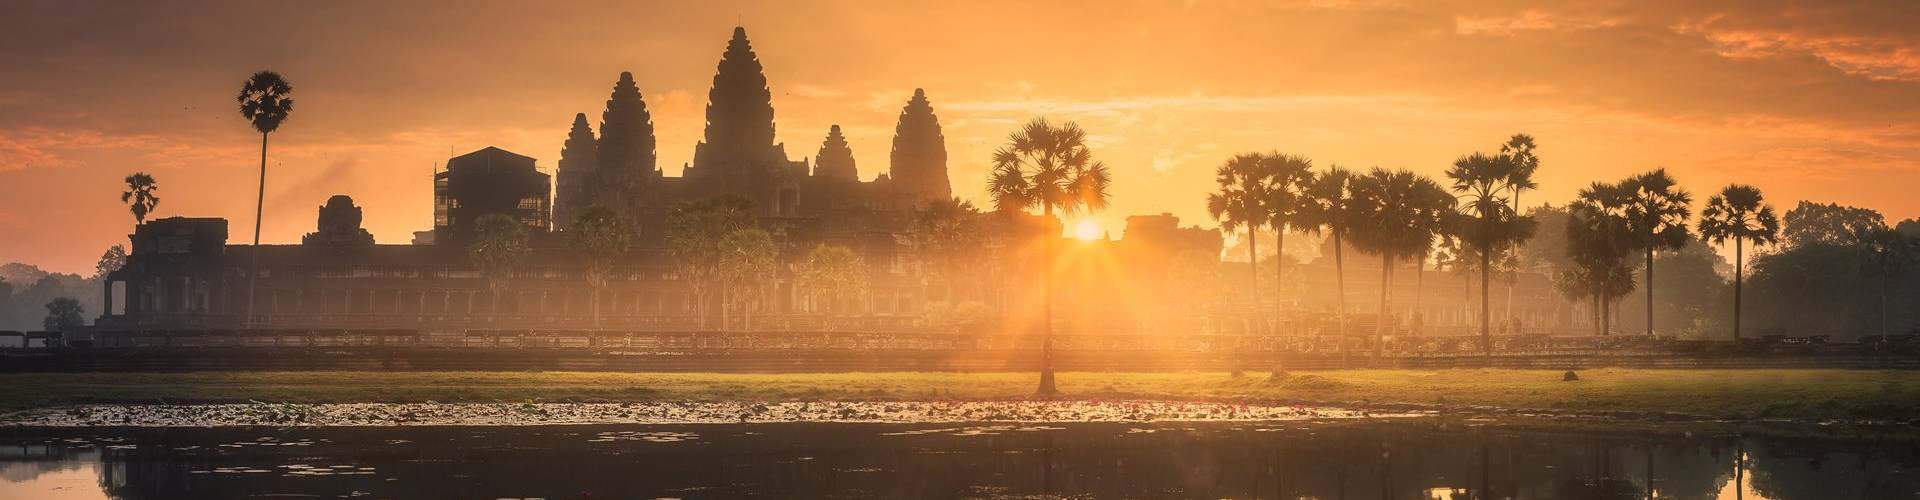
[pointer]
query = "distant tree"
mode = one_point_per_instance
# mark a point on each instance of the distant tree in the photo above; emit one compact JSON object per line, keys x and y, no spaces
{"x":1288,"y":179}
{"x":1050,"y":168}
{"x":114,"y":258}
{"x":1830,"y":224}
{"x":1738,"y":213}
{"x":947,"y":236}
{"x":499,"y":248}
{"x":1240,"y":203}
{"x":265,"y":101}
{"x":833,"y":272}
{"x":1483,"y":182}
{"x":1330,"y":208}
{"x":1890,"y":256}
{"x":1656,"y":212}
{"x":601,"y":238}
{"x":746,"y":267}
{"x":1396,"y":215}
{"x":139,"y":196}
{"x":694,"y":233}
{"x":63,"y":314}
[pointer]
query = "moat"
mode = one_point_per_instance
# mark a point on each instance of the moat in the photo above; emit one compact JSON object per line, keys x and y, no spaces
{"x":1323,"y":458}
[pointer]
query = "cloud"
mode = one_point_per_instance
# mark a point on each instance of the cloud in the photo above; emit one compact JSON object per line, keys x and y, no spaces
{"x":1527,"y":20}
{"x":1875,"y":57}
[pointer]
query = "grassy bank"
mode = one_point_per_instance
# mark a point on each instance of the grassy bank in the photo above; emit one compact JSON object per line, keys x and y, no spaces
{"x":1799,"y":394}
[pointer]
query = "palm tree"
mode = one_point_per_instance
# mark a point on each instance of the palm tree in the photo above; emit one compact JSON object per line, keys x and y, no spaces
{"x":139,"y":196}
{"x":1288,"y":177}
{"x":1740,"y":214}
{"x":600,"y":238}
{"x":1393,"y":214}
{"x":1239,"y":204}
{"x":694,"y":231}
{"x":1329,"y":207}
{"x":1050,"y":168}
{"x":1600,"y":236}
{"x":1518,"y":150}
{"x":834,"y":271}
{"x":265,"y":100}
{"x":946,"y":234}
{"x":1657,"y":212}
{"x":1482,"y":182}
{"x":498,"y":249}
{"x":746,"y":266}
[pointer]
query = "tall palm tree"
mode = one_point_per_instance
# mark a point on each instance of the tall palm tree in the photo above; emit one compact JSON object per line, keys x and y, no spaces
{"x":139,"y":196}
{"x":1392,"y":214}
{"x":1329,"y":207}
{"x":1657,"y":211}
{"x":1483,"y":182}
{"x":1053,"y":169}
{"x":1288,"y":178}
{"x":1740,"y":214}
{"x":1518,"y":150}
{"x":265,"y":100}
{"x":1239,"y":204}
{"x":600,"y":238}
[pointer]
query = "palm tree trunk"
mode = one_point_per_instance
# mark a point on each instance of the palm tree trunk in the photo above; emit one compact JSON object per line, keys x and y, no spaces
{"x":1379,"y":330}
{"x":1486,"y":304}
{"x":1279,"y":272}
{"x":1737,"y":266}
{"x":1253,"y":276}
{"x":1047,"y":387}
{"x":1340,"y":287}
{"x":1649,"y":290}
{"x":259,"y":204}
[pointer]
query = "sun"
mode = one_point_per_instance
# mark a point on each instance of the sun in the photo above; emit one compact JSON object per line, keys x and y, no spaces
{"x":1087,"y":230}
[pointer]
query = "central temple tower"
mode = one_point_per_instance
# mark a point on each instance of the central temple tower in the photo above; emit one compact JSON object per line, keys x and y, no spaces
{"x":738,"y":155}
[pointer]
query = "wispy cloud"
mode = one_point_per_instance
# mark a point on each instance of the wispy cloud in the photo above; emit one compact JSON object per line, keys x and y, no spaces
{"x":1873,"y":57}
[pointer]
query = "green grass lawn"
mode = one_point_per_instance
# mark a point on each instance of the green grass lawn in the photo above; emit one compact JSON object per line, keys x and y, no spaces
{"x":1804,"y":394}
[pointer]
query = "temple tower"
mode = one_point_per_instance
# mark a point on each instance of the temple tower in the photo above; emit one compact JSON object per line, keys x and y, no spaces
{"x":579,"y":159}
{"x":919,"y":160}
{"x":738,"y":155}
{"x":835,"y":160}
{"x":627,"y":172}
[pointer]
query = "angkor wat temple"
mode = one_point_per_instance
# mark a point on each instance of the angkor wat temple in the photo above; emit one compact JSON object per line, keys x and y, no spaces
{"x":183,"y":274}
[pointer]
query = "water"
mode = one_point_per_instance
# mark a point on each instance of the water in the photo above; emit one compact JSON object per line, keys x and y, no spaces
{"x":1395,"y":460}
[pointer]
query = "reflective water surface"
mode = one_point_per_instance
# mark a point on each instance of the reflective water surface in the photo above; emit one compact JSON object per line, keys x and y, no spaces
{"x":1393,"y":460}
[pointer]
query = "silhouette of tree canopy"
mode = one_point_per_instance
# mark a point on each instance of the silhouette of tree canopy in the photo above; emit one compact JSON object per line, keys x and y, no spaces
{"x":1830,"y":224}
{"x":1396,"y":215}
{"x":1740,"y":214}
{"x":600,"y":238}
{"x":1600,"y":237}
{"x":114,"y":258}
{"x":63,"y":314}
{"x":499,"y":248}
{"x":140,"y":195}
{"x":835,"y":273}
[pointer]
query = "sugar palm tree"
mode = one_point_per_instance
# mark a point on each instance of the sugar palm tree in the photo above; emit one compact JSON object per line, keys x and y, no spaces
{"x":1657,"y":211}
{"x":1050,"y":168}
{"x":1740,"y":214}
{"x":1600,"y":237}
{"x":1287,"y":179}
{"x":1329,"y":208}
{"x":1482,"y":182}
{"x":1392,"y":215}
{"x":600,"y":238}
{"x":139,"y":196}
{"x":265,"y":100}
{"x":1239,"y":204}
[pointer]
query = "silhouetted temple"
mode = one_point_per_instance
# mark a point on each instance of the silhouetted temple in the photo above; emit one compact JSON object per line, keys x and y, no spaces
{"x":182,"y":272}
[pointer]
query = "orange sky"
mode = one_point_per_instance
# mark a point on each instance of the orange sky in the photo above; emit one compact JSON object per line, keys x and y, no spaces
{"x":1806,"y":100}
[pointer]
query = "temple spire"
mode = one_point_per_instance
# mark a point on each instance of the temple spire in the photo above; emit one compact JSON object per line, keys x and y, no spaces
{"x":739,"y":131}
{"x":626,"y":146}
{"x":919,"y":159}
{"x":835,"y":160}
{"x":579,"y":159}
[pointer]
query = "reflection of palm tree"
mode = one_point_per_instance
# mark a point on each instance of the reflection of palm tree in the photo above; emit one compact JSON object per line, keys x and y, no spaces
{"x":1394,"y":215}
{"x":1657,"y":213}
{"x":1740,"y":214}
{"x":1050,"y":168}
{"x":265,"y":100}
{"x":139,"y":196}
{"x":1482,"y":181}
{"x":1330,"y":208}
{"x":1239,"y":205}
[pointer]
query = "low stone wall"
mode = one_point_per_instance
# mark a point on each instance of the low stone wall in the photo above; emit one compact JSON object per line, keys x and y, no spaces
{"x":839,"y":360}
